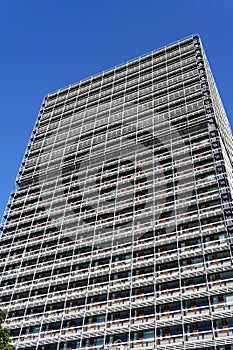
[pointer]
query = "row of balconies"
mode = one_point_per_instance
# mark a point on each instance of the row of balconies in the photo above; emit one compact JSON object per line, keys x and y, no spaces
{"x":125,"y":203}
{"x":203,"y":198}
{"x":185,"y":58}
{"x":57,"y":197}
{"x":129,"y":67}
{"x":161,"y":297}
{"x":85,"y":226}
{"x":167,"y":238}
{"x":100,"y":122}
{"x":162,"y":147}
{"x":184,"y":234}
{"x":157,"y":84}
{"x":120,"y":268}
{"x":43,"y":129}
{"x":90,"y":310}
{"x":72,"y":192}
{"x":135,"y":281}
{"x":74,"y":140}
{"x":141,"y":300}
{"x":125,"y":192}
{"x":138,"y":232}
{"x":129,"y":302}
{"x":146,"y":162}
{"x":201,"y":158}
{"x":161,"y":255}
{"x":199,"y":337}
{"x":131,"y":323}
{"x":149,"y":61}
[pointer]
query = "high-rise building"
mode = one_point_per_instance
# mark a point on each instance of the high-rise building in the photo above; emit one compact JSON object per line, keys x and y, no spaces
{"x":119,"y":233}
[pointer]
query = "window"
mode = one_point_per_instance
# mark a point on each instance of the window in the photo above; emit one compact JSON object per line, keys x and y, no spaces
{"x":149,"y":334}
{"x":36,"y":330}
{"x":99,"y":341}
{"x":228,"y":299}
{"x":197,"y":261}
{"x":204,"y":326}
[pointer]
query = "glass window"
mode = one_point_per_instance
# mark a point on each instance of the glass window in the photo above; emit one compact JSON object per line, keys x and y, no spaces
{"x":230,"y":322}
{"x":210,"y":177}
{"x":202,"y":302}
{"x":99,"y":341}
{"x":100,"y":319}
{"x":222,"y":237}
{"x":204,"y":326}
{"x":197,"y":261}
{"x":228,"y":299}
{"x":175,"y":330}
{"x":149,"y":334}
{"x":36,"y":330}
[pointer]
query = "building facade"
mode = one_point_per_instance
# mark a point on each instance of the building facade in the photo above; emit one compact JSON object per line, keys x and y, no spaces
{"x":119,"y":233}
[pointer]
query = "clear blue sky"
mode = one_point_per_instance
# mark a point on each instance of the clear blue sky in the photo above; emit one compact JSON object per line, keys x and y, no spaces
{"x":49,"y":44}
